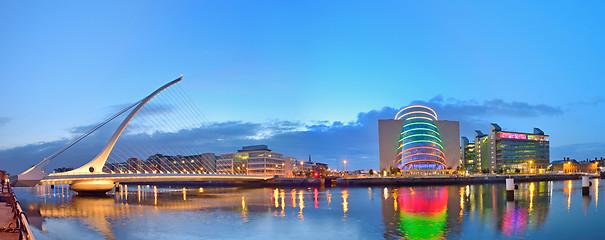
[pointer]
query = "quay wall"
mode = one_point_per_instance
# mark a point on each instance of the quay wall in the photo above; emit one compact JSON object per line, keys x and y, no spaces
{"x":464,"y":180}
{"x":373,"y":181}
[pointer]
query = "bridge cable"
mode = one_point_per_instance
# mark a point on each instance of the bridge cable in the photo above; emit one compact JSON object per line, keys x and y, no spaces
{"x":69,"y":145}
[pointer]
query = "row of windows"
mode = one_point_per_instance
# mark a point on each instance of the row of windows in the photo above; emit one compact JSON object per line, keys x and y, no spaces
{"x":522,"y":159}
{"x":264,"y":166}
{"x":508,"y":143}
{"x":537,"y":151}
{"x":267,"y":160}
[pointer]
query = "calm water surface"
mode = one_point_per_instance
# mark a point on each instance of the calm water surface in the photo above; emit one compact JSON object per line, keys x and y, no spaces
{"x":542,"y":210}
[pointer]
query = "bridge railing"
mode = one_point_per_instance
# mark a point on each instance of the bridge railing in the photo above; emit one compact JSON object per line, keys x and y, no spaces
{"x":19,"y":217}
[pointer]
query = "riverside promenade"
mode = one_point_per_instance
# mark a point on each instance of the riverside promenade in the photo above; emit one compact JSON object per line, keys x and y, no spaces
{"x":13,"y":223}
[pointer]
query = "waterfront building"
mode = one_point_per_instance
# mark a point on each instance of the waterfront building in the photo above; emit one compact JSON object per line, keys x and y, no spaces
{"x":507,"y":151}
{"x":253,"y":160}
{"x":163,"y":163}
{"x":205,"y":162}
{"x":415,"y":140}
{"x":568,"y":165}
{"x":115,"y":167}
{"x":312,"y":166}
{"x":468,"y":154}
{"x":290,"y":165}
{"x":135,"y":165}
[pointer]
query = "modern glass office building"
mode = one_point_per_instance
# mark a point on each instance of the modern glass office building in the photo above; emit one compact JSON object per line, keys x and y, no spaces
{"x":420,"y":144}
{"x":253,"y":160}
{"x":467,"y":151}
{"x":508,"y":151}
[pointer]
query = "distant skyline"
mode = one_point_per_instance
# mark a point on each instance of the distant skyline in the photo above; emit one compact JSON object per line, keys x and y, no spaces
{"x":312,"y":73}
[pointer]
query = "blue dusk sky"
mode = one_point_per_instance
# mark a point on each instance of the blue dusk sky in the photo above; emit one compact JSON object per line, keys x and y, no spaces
{"x":304,"y":77}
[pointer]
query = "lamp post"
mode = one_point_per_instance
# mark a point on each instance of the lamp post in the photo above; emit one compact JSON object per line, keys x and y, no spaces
{"x":530,"y":167}
{"x":345,"y":162}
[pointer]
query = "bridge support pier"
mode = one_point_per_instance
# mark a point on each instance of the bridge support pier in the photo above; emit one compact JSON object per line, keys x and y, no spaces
{"x":92,"y":187}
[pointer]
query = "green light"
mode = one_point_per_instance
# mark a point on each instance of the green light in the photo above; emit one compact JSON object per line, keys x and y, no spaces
{"x":420,"y":134}
{"x":419,"y":129}
{"x":419,"y":123}
{"x":422,"y":226}
{"x":429,"y":141}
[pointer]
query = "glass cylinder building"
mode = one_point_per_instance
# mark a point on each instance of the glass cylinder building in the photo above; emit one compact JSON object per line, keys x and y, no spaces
{"x":420,"y":145}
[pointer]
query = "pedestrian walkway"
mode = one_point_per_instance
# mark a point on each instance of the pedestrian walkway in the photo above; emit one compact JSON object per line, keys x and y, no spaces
{"x":11,"y":225}
{"x":6,"y":217}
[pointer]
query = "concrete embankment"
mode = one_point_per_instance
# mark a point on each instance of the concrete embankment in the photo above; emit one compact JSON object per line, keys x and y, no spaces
{"x":450,"y":180}
{"x":410,"y":181}
{"x":373,"y":181}
{"x":297,"y":182}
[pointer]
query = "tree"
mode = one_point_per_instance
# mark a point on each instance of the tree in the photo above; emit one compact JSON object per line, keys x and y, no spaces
{"x":371,"y":172}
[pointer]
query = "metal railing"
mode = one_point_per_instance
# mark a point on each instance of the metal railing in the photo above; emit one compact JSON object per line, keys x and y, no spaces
{"x":19,"y":219}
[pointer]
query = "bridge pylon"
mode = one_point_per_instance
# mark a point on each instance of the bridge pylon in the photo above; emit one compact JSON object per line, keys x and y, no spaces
{"x":34,"y":175}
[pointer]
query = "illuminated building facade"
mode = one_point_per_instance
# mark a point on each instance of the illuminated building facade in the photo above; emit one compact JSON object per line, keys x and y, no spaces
{"x":252,"y":160}
{"x":468,"y":154}
{"x":311,"y":166}
{"x":506,"y":151}
{"x":572,"y":166}
{"x":416,"y":141}
{"x":420,"y":146}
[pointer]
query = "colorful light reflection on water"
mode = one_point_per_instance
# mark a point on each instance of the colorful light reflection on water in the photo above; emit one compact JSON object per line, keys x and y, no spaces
{"x":423,"y":212}
{"x":542,"y":210}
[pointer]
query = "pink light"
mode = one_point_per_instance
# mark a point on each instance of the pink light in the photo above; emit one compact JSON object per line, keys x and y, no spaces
{"x":512,"y":135}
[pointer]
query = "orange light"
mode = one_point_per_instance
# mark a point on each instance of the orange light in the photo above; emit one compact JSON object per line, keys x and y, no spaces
{"x":397,"y":117}
{"x":425,"y":160}
{"x":422,"y":154}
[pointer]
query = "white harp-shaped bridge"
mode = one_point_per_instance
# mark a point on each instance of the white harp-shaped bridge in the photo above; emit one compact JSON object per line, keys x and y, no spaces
{"x":91,"y":177}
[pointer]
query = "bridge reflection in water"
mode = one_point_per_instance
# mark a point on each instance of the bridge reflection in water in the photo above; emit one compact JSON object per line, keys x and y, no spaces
{"x":405,"y":212}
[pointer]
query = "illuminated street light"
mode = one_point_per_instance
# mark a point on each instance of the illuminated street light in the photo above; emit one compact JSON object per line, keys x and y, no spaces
{"x":345,"y":162}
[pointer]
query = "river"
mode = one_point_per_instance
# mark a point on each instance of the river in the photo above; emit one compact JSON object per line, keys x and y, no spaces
{"x":541,"y":210}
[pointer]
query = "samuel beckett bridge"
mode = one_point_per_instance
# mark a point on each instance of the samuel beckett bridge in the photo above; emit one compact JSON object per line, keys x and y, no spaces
{"x":162,"y":135}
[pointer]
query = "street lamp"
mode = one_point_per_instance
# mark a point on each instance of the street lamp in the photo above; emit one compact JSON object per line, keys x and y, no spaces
{"x":345,"y":162}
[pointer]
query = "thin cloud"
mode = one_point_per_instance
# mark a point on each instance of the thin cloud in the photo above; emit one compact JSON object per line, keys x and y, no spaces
{"x":4,"y":120}
{"x":491,"y":108}
{"x":325,"y":141}
{"x":591,"y":102}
